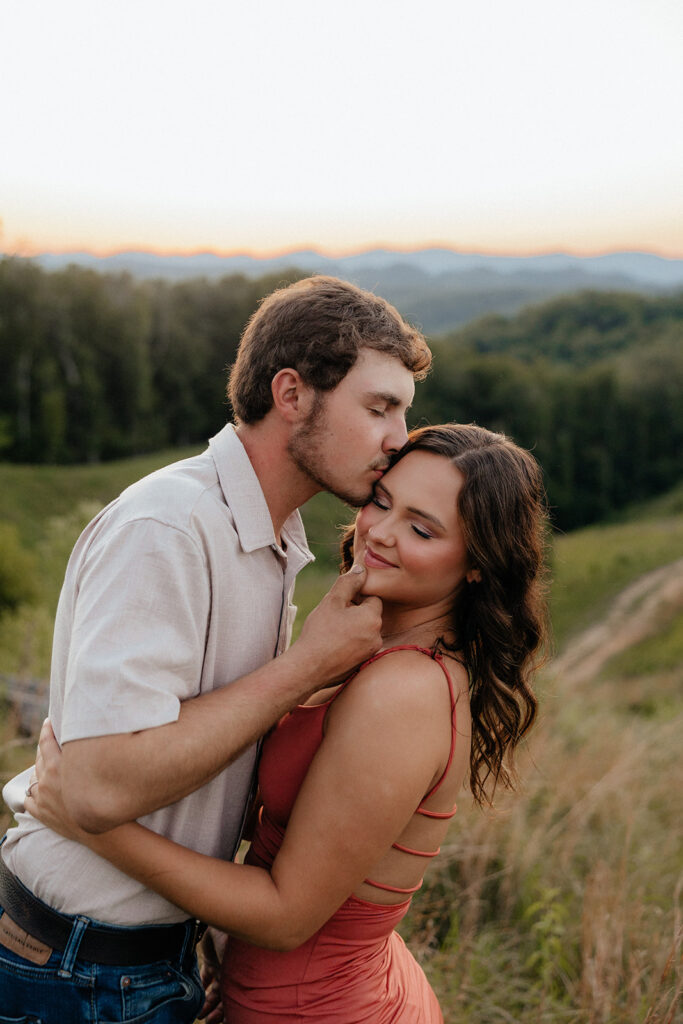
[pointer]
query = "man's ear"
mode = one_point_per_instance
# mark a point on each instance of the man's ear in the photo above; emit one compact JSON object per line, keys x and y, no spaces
{"x":473,"y":576}
{"x":291,"y":397}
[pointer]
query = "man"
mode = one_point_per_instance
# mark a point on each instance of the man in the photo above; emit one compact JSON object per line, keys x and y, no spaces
{"x":182,"y":587}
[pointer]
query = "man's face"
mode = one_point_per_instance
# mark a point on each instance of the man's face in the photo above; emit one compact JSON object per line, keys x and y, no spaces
{"x":345,"y":443}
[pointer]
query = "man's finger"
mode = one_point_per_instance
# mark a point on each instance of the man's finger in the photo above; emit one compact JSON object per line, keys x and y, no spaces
{"x":373,"y":603}
{"x":48,"y":747}
{"x":47,"y":734}
{"x":46,"y":729}
{"x":348,"y":585}
{"x":212,"y":1010}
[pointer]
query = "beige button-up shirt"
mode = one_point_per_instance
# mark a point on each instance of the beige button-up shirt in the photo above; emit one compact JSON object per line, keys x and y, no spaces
{"x":177,"y":587}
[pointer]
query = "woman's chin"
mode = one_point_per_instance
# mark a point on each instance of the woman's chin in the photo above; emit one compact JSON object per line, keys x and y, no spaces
{"x":373,"y":588}
{"x":369,"y":588}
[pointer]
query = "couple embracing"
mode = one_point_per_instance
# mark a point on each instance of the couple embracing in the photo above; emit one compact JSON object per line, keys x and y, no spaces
{"x":171,"y":661}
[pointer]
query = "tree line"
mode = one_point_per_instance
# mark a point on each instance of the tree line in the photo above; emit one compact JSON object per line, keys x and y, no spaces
{"x":96,"y":367}
{"x":591,"y":382}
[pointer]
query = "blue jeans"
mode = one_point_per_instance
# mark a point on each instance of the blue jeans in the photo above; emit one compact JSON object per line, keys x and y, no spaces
{"x":67,"y":990}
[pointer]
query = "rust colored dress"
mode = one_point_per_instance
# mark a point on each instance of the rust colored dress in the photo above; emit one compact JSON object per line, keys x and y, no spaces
{"x":356,"y":969}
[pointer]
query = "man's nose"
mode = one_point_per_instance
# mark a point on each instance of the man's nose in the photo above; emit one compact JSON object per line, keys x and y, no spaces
{"x":396,"y":437}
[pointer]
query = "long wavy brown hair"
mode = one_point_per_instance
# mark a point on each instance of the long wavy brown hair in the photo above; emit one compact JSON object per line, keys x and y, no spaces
{"x":498,"y":623}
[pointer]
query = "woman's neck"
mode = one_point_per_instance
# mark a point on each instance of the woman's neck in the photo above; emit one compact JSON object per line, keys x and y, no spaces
{"x":417,"y":627}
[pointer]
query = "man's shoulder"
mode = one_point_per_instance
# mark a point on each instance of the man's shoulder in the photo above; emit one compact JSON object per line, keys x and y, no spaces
{"x":179,"y":495}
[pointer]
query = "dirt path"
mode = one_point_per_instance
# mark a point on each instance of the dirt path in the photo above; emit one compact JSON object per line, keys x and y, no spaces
{"x":635,"y":614}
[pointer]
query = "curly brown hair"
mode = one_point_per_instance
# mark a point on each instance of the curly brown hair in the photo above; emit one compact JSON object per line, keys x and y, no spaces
{"x":317,"y":326}
{"x":499,"y":622}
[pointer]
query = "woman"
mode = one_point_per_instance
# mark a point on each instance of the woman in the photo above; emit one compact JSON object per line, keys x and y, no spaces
{"x":359,"y":785}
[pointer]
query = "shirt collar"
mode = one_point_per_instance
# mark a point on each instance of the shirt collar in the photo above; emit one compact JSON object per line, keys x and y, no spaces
{"x":245,"y":498}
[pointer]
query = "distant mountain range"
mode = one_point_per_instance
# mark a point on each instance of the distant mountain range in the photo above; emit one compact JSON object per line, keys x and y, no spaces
{"x":439,"y":289}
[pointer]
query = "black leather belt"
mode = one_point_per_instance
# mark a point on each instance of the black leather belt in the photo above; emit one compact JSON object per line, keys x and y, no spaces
{"x":100,"y":944}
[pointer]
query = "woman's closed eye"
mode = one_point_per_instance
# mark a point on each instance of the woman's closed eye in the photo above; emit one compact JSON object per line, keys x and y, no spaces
{"x":422,"y":531}
{"x":379,"y":501}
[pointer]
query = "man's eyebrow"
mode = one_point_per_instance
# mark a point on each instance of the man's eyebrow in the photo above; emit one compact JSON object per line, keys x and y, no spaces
{"x":386,"y":396}
{"x":380,"y":486}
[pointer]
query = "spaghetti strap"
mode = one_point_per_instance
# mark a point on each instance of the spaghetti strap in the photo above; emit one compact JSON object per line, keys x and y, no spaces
{"x":438,"y":658}
{"x":420,"y":809}
{"x":436,"y":814}
{"x":416,"y":853}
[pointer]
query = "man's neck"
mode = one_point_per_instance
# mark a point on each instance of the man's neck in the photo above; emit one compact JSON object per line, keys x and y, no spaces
{"x":284,"y":486}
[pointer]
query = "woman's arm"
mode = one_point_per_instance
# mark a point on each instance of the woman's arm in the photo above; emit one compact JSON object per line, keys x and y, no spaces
{"x":387,"y":740}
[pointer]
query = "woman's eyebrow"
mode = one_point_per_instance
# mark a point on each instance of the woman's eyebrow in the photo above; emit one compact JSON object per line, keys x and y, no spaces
{"x":426,"y":515}
{"x":380,"y":486}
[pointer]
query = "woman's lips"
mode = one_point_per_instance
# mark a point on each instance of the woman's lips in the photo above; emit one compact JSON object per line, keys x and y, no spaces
{"x":375,"y":561}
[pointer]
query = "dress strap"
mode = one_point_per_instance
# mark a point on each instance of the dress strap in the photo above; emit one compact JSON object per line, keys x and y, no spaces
{"x":416,"y":853}
{"x":376,"y":657}
{"x":436,"y":814}
{"x":420,"y":809}
{"x":394,"y":888}
{"x":438,"y":658}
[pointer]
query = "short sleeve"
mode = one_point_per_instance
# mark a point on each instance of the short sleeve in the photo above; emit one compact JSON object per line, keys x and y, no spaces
{"x":138,"y":632}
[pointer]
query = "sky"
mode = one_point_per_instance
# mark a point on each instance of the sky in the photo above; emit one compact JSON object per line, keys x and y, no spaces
{"x":500,"y":126}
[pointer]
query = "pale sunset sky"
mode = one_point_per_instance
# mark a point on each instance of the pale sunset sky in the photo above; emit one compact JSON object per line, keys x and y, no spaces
{"x":501,"y":126}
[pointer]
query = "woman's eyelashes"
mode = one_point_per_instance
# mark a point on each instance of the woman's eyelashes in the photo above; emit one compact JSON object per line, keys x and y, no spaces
{"x":382,"y":503}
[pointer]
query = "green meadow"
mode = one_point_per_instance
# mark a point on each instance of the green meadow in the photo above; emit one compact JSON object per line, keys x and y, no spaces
{"x":561,"y":904}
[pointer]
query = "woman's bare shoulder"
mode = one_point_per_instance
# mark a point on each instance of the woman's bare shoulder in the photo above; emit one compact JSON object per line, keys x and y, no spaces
{"x":408,"y":679}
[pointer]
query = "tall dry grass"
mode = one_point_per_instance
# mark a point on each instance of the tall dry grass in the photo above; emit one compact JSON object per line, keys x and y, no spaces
{"x":565,"y":903}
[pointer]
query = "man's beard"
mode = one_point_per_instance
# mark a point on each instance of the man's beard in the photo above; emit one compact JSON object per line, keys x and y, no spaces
{"x":305,"y":450}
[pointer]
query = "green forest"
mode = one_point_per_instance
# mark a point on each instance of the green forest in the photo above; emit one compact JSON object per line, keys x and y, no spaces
{"x":95,"y":367}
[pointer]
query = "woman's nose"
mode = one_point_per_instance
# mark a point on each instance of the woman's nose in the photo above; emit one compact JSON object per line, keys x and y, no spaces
{"x":382,"y":532}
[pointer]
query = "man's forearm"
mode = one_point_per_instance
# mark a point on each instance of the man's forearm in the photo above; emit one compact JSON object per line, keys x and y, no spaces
{"x":129,"y":775}
{"x":113,"y":779}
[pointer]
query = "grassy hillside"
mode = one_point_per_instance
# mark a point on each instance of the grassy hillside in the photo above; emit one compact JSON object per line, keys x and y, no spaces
{"x":563,"y":904}
{"x":592,"y":565}
{"x":30,"y":496}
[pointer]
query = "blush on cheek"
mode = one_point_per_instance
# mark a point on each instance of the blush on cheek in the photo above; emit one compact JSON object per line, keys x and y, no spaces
{"x":358,"y":545}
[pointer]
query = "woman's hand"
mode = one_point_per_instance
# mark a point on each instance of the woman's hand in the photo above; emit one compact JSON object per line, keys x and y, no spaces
{"x":44,"y":795}
{"x":211,"y":950}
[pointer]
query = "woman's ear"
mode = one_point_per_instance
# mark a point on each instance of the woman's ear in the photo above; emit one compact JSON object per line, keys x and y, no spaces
{"x":473,"y":576}
{"x":291,"y":397}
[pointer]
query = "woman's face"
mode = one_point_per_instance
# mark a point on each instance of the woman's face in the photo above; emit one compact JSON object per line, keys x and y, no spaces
{"x":409,"y":536}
